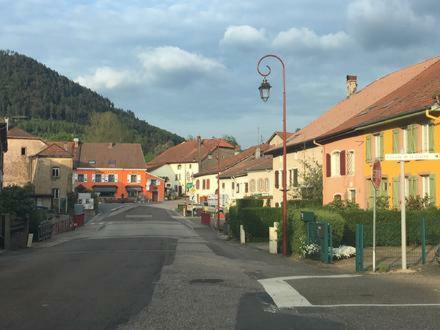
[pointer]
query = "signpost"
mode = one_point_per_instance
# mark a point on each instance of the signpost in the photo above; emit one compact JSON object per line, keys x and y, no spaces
{"x":376,"y":179}
{"x":402,"y":157}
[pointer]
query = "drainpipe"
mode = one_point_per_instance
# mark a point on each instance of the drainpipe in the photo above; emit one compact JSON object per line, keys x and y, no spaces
{"x":434,"y":107}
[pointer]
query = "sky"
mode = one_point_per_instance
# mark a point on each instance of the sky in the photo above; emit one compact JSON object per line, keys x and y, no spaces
{"x":190,"y":66}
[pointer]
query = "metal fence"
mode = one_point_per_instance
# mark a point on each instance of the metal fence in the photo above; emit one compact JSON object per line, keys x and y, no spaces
{"x":388,"y":246}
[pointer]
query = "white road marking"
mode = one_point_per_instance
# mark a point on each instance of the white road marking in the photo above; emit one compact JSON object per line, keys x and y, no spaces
{"x":285,"y":296}
{"x":138,"y":216}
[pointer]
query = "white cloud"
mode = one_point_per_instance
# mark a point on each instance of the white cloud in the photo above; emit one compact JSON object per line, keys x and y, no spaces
{"x":303,"y":39}
{"x":105,"y":78}
{"x":168,"y":64}
{"x":243,"y":37}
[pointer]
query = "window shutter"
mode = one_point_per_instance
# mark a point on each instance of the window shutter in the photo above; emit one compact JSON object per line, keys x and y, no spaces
{"x":412,"y":186}
{"x":277,"y":182}
{"x":368,"y":148}
{"x":432,"y":189}
{"x":85,"y":177}
{"x":414,"y":137}
{"x":396,"y":192}
{"x":93,"y":177}
{"x":395,"y":141}
{"x":128,"y":178}
{"x":105,"y":178}
{"x":75,"y":177}
{"x":138,"y":178}
{"x":431,"y":138}
{"x":328,"y":169}
{"x":207,"y":184}
{"x":381,"y":142}
{"x":116,"y":178}
{"x":342,"y":162}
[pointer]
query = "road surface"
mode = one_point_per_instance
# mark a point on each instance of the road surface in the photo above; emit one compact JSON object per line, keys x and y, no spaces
{"x":142,"y":267}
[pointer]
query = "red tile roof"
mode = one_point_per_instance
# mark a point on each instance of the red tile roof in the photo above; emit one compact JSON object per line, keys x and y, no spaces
{"x":188,"y":152}
{"x":233,"y":160}
{"x":253,"y":164}
{"x":54,"y":151}
{"x":357,"y":103}
{"x":111,"y":155}
{"x":18,"y":133}
{"x":415,"y":95}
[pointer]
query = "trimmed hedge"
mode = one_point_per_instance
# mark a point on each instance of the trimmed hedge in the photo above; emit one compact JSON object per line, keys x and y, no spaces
{"x":299,"y":227}
{"x":232,"y":220}
{"x":388,"y":226}
{"x":257,"y":220}
{"x":249,"y":202}
{"x":302,"y":204}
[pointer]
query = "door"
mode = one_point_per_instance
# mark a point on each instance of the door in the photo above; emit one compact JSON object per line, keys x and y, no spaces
{"x":155,"y":196}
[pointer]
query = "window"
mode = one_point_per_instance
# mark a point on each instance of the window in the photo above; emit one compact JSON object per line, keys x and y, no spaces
{"x":179,"y":167}
{"x":336,"y":163}
{"x":23,"y":151}
{"x":238,"y":188}
{"x":352,"y":195}
{"x":153,"y":182}
{"x":266,"y":185}
{"x":337,"y":197}
{"x":176,"y":177}
{"x":378,"y":146}
{"x":81,"y":178}
{"x":55,"y":172}
{"x":295,"y":177}
{"x":189,"y":166}
{"x":260,"y":185}
{"x":252,"y":186}
{"x":277,"y":179}
{"x":203,"y":184}
{"x":426,"y":186}
{"x":207,"y":183}
{"x":111,"y":178}
{"x":232,"y":185}
{"x":405,"y":140}
{"x":133,"y":178}
{"x":55,"y":193}
{"x":427,"y":138}
{"x":98,"y":178}
{"x":209,"y":156}
{"x":246,"y":187}
{"x":350,"y":162}
{"x":197,"y":184}
{"x":223,"y":185}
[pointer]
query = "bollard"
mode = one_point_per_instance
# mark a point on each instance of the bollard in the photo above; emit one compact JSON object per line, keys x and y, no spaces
{"x":242,"y":235}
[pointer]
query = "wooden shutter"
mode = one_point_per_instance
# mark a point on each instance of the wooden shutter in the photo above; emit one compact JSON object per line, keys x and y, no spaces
{"x":412,"y":138}
{"x":396,"y":192}
{"x":381,"y":145}
{"x":138,"y":178}
{"x":412,"y":186}
{"x":277,"y":179}
{"x":197,"y":184}
{"x":342,"y":162}
{"x":368,"y":148}
{"x":328,"y":169}
{"x":116,"y":178}
{"x":431,"y":138}
{"x":207,"y":183}
{"x":395,"y":141}
{"x":432,"y":189}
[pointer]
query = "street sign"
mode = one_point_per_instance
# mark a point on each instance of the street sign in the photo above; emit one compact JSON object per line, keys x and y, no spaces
{"x":376,"y":174}
{"x":416,"y":156}
{"x":189,"y":185}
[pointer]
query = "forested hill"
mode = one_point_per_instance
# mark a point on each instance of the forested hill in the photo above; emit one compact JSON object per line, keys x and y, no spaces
{"x":54,"y":107}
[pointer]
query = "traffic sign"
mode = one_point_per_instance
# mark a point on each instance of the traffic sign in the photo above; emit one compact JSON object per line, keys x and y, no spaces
{"x":376,"y":174}
{"x":415,"y":156}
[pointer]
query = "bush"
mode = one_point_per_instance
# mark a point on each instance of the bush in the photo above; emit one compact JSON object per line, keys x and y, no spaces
{"x":249,"y":202}
{"x":232,"y":219}
{"x":304,"y":203}
{"x":299,"y":227}
{"x":257,"y":220}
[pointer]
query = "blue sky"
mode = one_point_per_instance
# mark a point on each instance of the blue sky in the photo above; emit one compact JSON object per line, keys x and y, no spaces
{"x":189,"y":66}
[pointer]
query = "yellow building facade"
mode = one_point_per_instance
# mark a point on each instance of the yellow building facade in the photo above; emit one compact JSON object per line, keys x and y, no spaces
{"x":417,"y":134}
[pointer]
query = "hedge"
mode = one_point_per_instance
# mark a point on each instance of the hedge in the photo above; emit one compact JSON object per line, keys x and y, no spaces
{"x":304,"y":203}
{"x":232,"y":220}
{"x":257,"y":220}
{"x":249,"y":202}
{"x":299,"y":227}
{"x":388,"y":226}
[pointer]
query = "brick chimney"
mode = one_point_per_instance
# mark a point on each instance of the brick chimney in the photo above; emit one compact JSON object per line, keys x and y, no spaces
{"x":351,"y":85}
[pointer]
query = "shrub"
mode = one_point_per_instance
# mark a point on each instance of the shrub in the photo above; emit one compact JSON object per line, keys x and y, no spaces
{"x":232,"y":219}
{"x":304,"y":203}
{"x":257,"y":220}
{"x":249,"y":202}
{"x":299,"y":226}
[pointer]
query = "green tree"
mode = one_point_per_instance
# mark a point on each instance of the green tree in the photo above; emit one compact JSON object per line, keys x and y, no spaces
{"x":107,"y":127}
{"x":231,"y":139}
{"x":311,"y":188}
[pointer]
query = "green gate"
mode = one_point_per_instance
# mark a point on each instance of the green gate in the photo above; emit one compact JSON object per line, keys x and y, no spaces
{"x":324,"y":233}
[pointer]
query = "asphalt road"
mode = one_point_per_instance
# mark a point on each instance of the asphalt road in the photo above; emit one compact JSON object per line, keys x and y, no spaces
{"x":143,"y":268}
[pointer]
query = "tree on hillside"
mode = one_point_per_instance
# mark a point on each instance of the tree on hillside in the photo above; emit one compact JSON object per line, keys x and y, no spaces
{"x":107,"y":127}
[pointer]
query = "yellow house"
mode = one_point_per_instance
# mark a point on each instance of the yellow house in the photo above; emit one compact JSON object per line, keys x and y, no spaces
{"x":405,"y":121}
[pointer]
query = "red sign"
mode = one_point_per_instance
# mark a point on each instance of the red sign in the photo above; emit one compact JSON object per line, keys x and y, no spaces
{"x":376,"y":174}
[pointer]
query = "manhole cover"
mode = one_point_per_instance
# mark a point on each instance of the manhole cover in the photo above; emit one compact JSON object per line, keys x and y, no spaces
{"x":206,"y":281}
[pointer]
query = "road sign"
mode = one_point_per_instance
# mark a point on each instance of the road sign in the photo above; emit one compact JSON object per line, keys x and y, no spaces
{"x":189,"y":185}
{"x":415,"y":156}
{"x":376,"y":174}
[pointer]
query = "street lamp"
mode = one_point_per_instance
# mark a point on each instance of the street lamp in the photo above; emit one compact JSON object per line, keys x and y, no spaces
{"x":265,"y":94}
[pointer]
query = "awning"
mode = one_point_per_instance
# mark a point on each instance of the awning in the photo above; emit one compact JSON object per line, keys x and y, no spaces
{"x":133,"y":188}
{"x":101,"y":189}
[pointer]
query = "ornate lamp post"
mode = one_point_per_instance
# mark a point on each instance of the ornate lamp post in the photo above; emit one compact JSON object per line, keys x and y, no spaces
{"x":265,"y":94}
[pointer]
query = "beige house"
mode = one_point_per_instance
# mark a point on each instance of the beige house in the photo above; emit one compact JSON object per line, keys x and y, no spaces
{"x":48,"y":167}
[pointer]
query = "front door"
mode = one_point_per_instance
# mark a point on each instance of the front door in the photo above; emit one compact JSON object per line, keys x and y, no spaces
{"x":155,"y":196}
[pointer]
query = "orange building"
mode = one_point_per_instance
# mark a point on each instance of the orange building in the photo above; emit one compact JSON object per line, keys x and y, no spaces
{"x":116,"y":170}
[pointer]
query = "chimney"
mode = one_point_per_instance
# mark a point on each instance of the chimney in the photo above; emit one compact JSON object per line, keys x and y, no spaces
{"x":351,"y":85}
{"x":111,"y":145}
{"x":76,"y":142}
{"x":257,"y":152}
